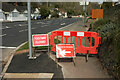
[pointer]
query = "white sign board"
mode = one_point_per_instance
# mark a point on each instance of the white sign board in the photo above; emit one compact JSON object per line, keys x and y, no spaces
{"x":80,"y":33}
{"x":66,"y":33}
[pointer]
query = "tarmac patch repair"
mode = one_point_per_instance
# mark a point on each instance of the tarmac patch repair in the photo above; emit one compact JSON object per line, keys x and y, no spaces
{"x":42,"y":64}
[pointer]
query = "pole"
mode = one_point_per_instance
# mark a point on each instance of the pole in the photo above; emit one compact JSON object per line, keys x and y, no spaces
{"x":85,"y":13}
{"x":48,"y":51}
{"x":29,"y":29}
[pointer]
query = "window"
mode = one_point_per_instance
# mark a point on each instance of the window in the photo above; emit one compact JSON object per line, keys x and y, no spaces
{"x":1,"y":15}
{"x":15,"y":14}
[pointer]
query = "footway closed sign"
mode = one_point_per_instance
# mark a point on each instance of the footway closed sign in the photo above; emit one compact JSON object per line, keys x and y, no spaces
{"x":65,"y":50}
{"x":40,"y":40}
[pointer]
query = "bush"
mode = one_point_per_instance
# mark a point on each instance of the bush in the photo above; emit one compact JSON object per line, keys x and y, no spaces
{"x":101,"y":22}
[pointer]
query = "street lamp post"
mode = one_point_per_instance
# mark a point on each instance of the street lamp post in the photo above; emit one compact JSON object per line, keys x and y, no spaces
{"x":29,"y":31}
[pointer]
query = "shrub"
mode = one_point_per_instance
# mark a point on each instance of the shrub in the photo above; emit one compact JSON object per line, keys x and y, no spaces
{"x":101,"y":22}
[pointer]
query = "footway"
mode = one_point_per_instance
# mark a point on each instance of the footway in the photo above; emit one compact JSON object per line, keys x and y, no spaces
{"x":42,"y":65}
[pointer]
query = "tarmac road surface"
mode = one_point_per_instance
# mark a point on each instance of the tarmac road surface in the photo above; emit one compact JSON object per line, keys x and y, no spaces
{"x":15,"y":33}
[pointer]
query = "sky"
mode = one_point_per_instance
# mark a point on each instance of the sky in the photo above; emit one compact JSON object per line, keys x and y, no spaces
{"x":58,"y":0}
{"x":102,"y":0}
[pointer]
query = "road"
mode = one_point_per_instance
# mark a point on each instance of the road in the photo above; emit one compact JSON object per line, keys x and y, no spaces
{"x":15,"y":33}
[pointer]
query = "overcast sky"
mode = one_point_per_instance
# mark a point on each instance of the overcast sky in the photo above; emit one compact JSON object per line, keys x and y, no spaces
{"x":59,"y":0}
{"x":102,"y":0}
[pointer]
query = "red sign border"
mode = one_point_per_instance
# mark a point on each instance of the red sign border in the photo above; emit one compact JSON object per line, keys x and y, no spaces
{"x":65,"y":57}
{"x":40,"y":45}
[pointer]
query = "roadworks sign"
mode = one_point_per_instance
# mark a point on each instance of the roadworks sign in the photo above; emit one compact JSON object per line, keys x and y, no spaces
{"x":65,"y":51}
{"x":40,"y":40}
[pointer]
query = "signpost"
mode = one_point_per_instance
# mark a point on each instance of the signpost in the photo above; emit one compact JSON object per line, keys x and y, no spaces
{"x":40,"y":40}
{"x":65,"y":51}
{"x":97,"y":13}
{"x":29,"y":30}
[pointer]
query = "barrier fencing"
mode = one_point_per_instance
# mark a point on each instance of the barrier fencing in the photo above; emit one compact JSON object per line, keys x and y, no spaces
{"x":84,"y":41}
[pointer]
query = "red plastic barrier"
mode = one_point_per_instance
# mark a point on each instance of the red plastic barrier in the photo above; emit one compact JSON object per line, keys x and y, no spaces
{"x":93,"y":39}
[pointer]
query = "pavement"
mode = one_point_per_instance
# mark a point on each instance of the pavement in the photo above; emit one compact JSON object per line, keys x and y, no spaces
{"x":42,"y":64}
{"x":47,"y":64}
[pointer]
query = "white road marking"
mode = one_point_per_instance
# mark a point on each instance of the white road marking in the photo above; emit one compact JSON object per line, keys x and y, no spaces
{"x":3,"y":35}
{"x":20,"y":25}
{"x":7,"y":47}
{"x":40,"y":23}
{"x":33,"y":28}
{"x":44,"y":25}
{"x":26,"y":29}
{"x":21,"y":30}
{"x":7,"y":27}
{"x":62,"y":27}
{"x":63,"y":24}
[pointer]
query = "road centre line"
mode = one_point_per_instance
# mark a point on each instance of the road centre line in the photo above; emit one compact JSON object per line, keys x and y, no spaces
{"x":63,"y":23}
{"x":33,"y":28}
{"x":44,"y":25}
{"x":21,"y":30}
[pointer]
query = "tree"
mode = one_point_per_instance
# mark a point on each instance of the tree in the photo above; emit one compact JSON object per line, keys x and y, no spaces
{"x":92,"y":5}
{"x":70,"y":11}
{"x":106,"y":5}
{"x":44,"y":11}
{"x":55,"y":14}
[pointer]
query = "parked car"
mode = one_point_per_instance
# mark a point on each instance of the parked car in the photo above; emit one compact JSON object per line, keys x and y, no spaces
{"x":39,"y":18}
{"x":33,"y":17}
{"x":69,"y":16}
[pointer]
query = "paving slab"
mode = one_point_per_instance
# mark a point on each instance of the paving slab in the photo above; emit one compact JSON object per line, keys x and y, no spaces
{"x":82,"y":69}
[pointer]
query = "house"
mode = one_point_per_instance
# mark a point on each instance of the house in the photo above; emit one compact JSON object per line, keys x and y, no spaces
{"x":15,"y":15}
{"x":62,"y":13}
{"x":2,"y":16}
{"x":35,"y":13}
{"x":25,"y":13}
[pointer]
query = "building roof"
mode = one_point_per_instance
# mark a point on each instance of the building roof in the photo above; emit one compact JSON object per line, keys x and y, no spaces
{"x":22,"y":9}
{"x":9,"y":7}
